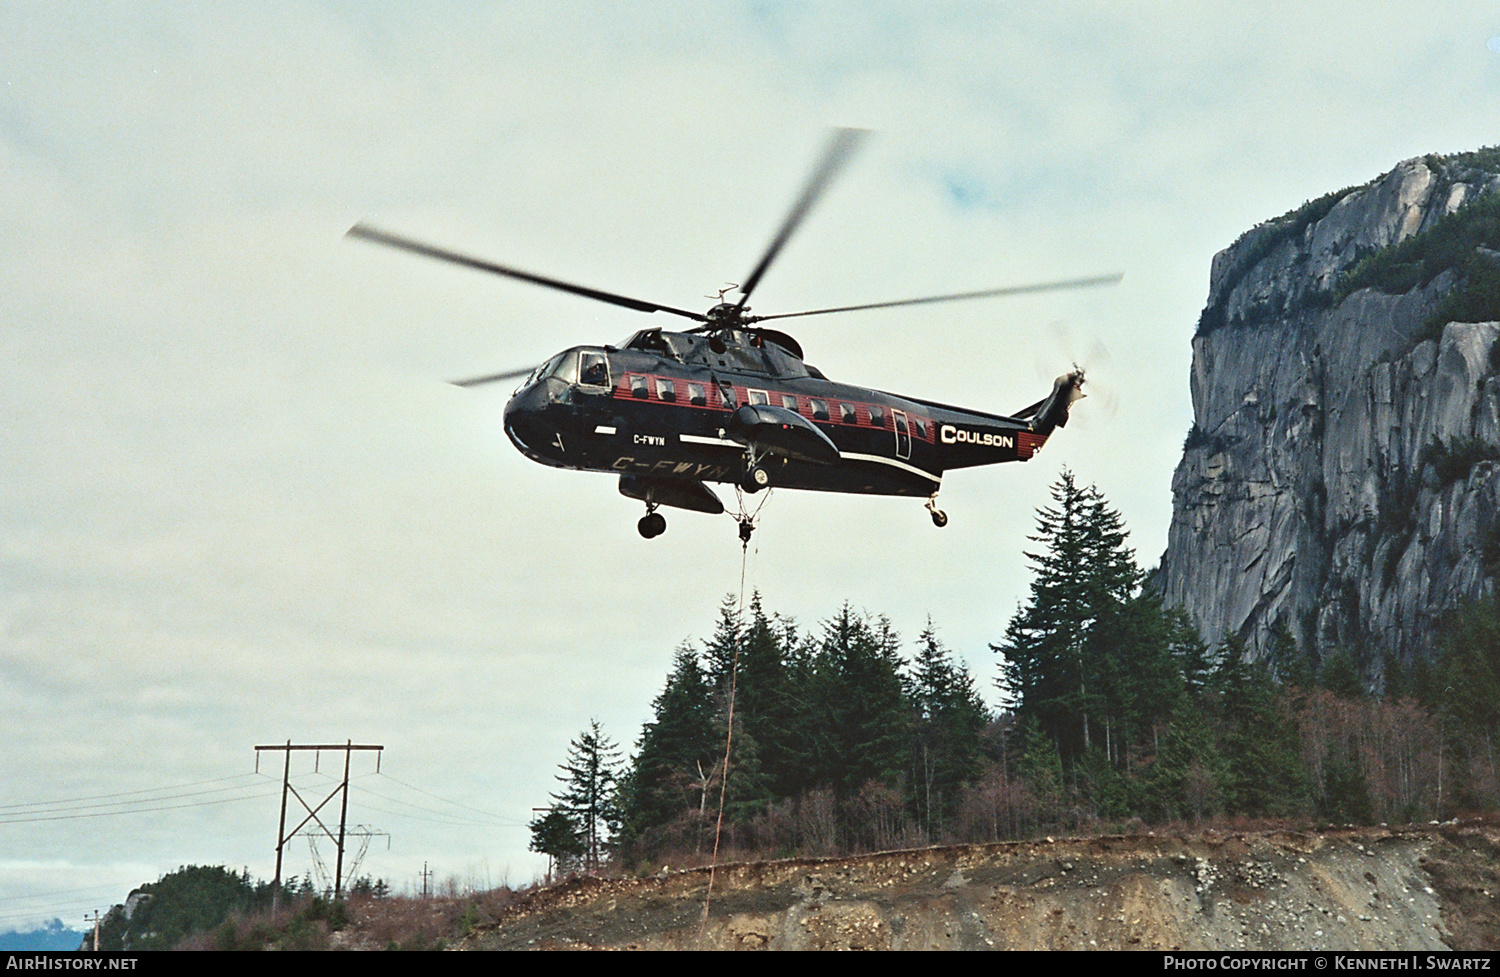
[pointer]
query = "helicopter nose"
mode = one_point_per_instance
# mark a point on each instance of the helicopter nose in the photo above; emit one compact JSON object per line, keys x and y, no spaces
{"x":523,"y":418}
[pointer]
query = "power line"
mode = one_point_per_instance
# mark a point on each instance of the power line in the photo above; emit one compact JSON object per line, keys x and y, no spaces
{"x":127,"y":793}
{"x":432,"y":795}
{"x":60,"y":892}
{"x":449,"y":818}
{"x":21,"y":816}
{"x":134,"y":810}
{"x":440,"y":818}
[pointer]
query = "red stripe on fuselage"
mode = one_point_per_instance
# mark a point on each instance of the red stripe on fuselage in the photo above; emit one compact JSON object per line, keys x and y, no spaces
{"x":622,"y":391}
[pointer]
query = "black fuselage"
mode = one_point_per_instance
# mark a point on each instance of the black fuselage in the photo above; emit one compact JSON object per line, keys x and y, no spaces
{"x":661,"y":407}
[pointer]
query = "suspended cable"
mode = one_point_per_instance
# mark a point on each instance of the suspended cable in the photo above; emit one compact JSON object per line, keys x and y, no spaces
{"x":124,"y":806}
{"x":61,"y":892}
{"x":448,"y":818}
{"x":134,"y":810}
{"x":128,"y":793}
{"x":445,"y":800}
{"x":747,"y":525}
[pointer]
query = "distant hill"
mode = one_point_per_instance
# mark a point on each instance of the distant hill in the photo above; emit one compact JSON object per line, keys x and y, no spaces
{"x":53,"y":936}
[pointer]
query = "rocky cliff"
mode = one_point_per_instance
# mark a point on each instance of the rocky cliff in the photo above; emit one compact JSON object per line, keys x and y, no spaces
{"x":1340,"y":477}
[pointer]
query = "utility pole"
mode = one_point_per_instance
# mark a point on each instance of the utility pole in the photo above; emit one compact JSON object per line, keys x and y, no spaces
{"x":283,"y":836}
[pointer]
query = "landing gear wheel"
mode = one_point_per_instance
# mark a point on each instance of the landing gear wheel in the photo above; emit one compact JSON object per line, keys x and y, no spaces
{"x":755,"y":479}
{"x":652,"y":525}
{"x":939,"y":518}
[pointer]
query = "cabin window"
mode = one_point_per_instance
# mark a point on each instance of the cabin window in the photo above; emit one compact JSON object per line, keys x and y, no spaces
{"x":697,"y":396}
{"x":847,"y":414}
{"x":921,"y":426}
{"x":665,"y":391}
{"x":758,"y":396}
{"x":789,"y":401}
{"x":593,"y":370}
{"x":638,"y":388}
{"x":726,"y":397}
{"x":819,"y":410}
{"x":877,"y":416}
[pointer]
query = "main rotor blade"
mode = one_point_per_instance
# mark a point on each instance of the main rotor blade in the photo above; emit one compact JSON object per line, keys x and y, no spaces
{"x":840,"y":147}
{"x":988,"y":293}
{"x":492,"y":378}
{"x":442,"y":254}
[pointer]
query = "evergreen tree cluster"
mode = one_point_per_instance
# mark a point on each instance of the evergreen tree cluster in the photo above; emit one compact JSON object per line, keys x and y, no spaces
{"x":198,"y":899}
{"x":1115,"y":713}
{"x":837,"y":743}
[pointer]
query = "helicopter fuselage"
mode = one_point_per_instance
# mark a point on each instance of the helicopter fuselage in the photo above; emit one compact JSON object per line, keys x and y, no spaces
{"x":664,"y":411}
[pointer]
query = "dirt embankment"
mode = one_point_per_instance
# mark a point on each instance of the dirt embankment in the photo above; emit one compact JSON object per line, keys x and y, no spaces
{"x":1353,"y":889}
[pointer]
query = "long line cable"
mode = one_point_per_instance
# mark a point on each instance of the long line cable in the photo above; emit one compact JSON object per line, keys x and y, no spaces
{"x":734,"y":673}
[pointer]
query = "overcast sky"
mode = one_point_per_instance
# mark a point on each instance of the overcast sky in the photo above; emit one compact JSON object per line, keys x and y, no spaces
{"x":240,"y":504}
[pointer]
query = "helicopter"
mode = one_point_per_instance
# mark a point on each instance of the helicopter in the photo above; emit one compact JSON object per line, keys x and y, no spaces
{"x":732,"y":401}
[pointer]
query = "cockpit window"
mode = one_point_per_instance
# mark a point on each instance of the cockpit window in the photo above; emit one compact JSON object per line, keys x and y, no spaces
{"x":593,"y":369}
{"x":563,"y":366}
{"x":557,"y":366}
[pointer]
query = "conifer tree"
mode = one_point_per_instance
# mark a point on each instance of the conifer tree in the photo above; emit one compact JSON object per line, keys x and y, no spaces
{"x":1263,"y":768}
{"x":1187,"y":779}
{"x":1340,"y":675}
{"x":677,"y":754}
{"x":1138,"y":676}
{"x":1194,"y":660}
{"x":1291,"y":665}
{"x":859,"y":709}
{"x":948,"y":718}
{"x":1083,"y":572}
{"x":588,"y":794}
{"x":555,"y":834}
{"x":766,"y":709}
{"x":1464,"y":690}
{"x":721,"y":650}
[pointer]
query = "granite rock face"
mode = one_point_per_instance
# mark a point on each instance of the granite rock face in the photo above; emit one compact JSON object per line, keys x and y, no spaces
{"x":1339,"y":476}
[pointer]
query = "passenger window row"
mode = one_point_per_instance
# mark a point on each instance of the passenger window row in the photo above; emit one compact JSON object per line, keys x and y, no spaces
{"x":697,"y":395}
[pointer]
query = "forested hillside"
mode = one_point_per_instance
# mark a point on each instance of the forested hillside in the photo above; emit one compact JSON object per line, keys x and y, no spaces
{"x":847,"y":738}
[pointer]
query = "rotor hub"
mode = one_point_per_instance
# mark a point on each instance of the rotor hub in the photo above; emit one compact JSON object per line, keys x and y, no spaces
{"x":726,"y":315}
